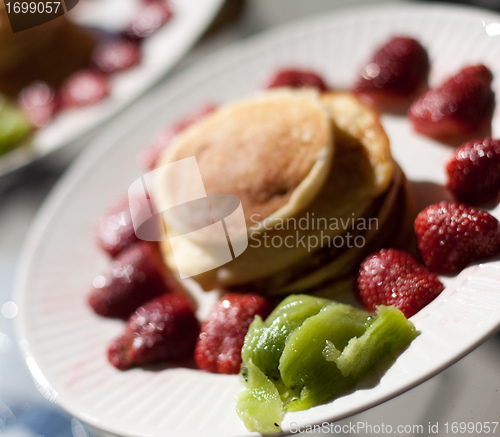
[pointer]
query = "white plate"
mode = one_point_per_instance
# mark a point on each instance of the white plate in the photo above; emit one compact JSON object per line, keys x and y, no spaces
{"x":64,"y":342}
{"x":160,"y":52}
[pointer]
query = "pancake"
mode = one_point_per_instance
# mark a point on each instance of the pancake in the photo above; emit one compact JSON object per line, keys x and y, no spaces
{"x":365,"y":190}
{"x":395,"y":232}
{"x":292,"y":186}
{"x":273,"y":152}
{"x":390,"y":223}
{"x":362,"y":125}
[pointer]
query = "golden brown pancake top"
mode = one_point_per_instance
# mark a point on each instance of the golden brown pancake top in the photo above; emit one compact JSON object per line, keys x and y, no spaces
{"x":259,"y":150}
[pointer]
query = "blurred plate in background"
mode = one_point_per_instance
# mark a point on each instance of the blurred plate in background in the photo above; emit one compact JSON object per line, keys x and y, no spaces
{"x":160,"y":52}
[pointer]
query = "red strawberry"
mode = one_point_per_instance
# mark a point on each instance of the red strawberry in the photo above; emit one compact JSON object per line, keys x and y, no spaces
{"x":219,"y":345}
{"x":295,"y":78}
{"x":395,"y":72}
{"x":163,"y":329}
{"x":451,"y":235}
{"x":114,"y":230}
{"x":474,"y":171}
{"x":163,"y":139}
{"x":116,"y":55}
{"x":393,"y":277}
{"x":151,"y":15}
{"x":40,"y":102}
{"x":460,"y":106}
{"x":84,"y":88}
{"x":135,"y":276}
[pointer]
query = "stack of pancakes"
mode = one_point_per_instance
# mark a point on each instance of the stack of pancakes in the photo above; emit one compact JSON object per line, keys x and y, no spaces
{"x":317,"y":183}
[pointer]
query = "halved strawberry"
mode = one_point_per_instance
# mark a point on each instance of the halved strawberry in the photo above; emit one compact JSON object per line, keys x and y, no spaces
{"x":163,"y":329}
{"x":114,"y":230}
{"x":151,"y":15}
{"x":84,"y":88}
{"x":296,"y":78}
{"x":222,"y":335}
{"x":394,"y":277}
{"x":117,"y":54}
{"x":474,"y":171}
{"x":462,"y":105}
{"x":40,"y":102}
{"x":134,"y":277}
{"x":394,"y":74}
{"x":452,"y":235}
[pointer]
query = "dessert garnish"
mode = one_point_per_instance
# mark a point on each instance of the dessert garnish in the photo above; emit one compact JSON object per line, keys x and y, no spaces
{"x":116,"y":54}
{"x":296,"y":78}
{"x":394,"y":277}
{"x":14,"y":126}
{"x":218,"y":349}
{"x":149,"y":17}
{"x":473,"y":171}
{"x":452,"y":235}
{"x":394,"y":74}
{"x":40,"y":102}
{"x":309,"y":351}
{"x":461,"y":105}
{"x":114,"y":230}
{"x":135,"y":276}
{"x":162,"y":330}
{"x":84,"y":88}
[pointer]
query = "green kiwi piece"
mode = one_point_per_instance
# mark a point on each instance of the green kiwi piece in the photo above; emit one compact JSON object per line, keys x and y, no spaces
{"x":303,"y":365}
{"x":265,"y":340}
{"x":14,"y":127}
{"x":259,"y":405}
{"x":311,"y":350}
{"x":387,"y":335}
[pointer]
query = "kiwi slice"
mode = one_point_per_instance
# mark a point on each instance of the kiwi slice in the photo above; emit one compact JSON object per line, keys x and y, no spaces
{"x":388,"y":333}
{"x":303,"y":364}
{"x":265,"y":340}
{"x":311,"y":350}
{"x":259,"y":406}
{"x":14,"y":127}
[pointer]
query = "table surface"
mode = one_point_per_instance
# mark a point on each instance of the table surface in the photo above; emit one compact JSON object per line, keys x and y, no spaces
{"x":466,"y":392}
